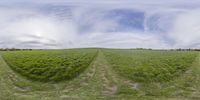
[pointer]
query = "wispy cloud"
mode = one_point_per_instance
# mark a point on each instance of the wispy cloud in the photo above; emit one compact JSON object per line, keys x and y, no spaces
{"x":105,"y":23}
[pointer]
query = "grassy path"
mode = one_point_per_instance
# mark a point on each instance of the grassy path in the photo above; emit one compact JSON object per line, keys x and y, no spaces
{"x":99,"y":82}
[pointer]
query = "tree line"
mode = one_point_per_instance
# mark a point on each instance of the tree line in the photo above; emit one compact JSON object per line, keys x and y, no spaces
{"x":14,"y":49}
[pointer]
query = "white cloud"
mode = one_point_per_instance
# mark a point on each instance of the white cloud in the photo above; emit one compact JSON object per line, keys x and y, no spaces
{"x":186,"y":31}
{"x":28,"y":27}
{"x":122,"y":40}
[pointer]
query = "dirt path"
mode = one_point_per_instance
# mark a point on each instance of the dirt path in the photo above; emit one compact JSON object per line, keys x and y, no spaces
{"x":97,"y":81}
{"x":108,"y":78}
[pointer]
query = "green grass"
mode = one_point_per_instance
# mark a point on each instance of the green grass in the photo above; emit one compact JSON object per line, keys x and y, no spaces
{"x":50,"y":65}
{"x":101,"y":81}
{"x":147,"y":65}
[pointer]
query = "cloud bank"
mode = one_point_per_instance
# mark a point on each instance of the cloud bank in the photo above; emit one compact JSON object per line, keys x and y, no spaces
{"x":110,"y":24}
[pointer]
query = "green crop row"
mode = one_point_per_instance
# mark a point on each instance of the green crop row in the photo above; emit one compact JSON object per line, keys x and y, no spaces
{"x":149,"y":65}
{"x":50,"y":65}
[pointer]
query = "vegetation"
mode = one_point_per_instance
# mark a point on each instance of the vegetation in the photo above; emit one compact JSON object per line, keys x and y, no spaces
{"x":106,"y":77}
{"x":50,"y":65}
{"x":148,"y":65}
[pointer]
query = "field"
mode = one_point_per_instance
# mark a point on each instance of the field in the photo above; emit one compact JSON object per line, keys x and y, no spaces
{"x":145,"y":66}
{"x":99,"y":74}
{"x":50,"y":65}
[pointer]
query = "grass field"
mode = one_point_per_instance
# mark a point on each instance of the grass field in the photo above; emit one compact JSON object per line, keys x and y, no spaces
{"x":50,"y":65}
{"x":99,"y":74}
{"x":148,"y":65}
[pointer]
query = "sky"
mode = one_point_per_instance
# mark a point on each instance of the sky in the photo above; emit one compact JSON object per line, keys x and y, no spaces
{"x":57,"y":24}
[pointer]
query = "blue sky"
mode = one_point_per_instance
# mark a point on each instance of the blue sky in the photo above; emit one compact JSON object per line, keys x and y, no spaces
{"x":106,"y":23}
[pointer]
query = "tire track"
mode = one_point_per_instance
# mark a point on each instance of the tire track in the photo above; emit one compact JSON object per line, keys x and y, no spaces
{"x":109,"y":81}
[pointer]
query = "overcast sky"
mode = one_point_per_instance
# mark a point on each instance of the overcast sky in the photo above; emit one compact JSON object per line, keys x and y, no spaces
{"x":103,"y":23}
